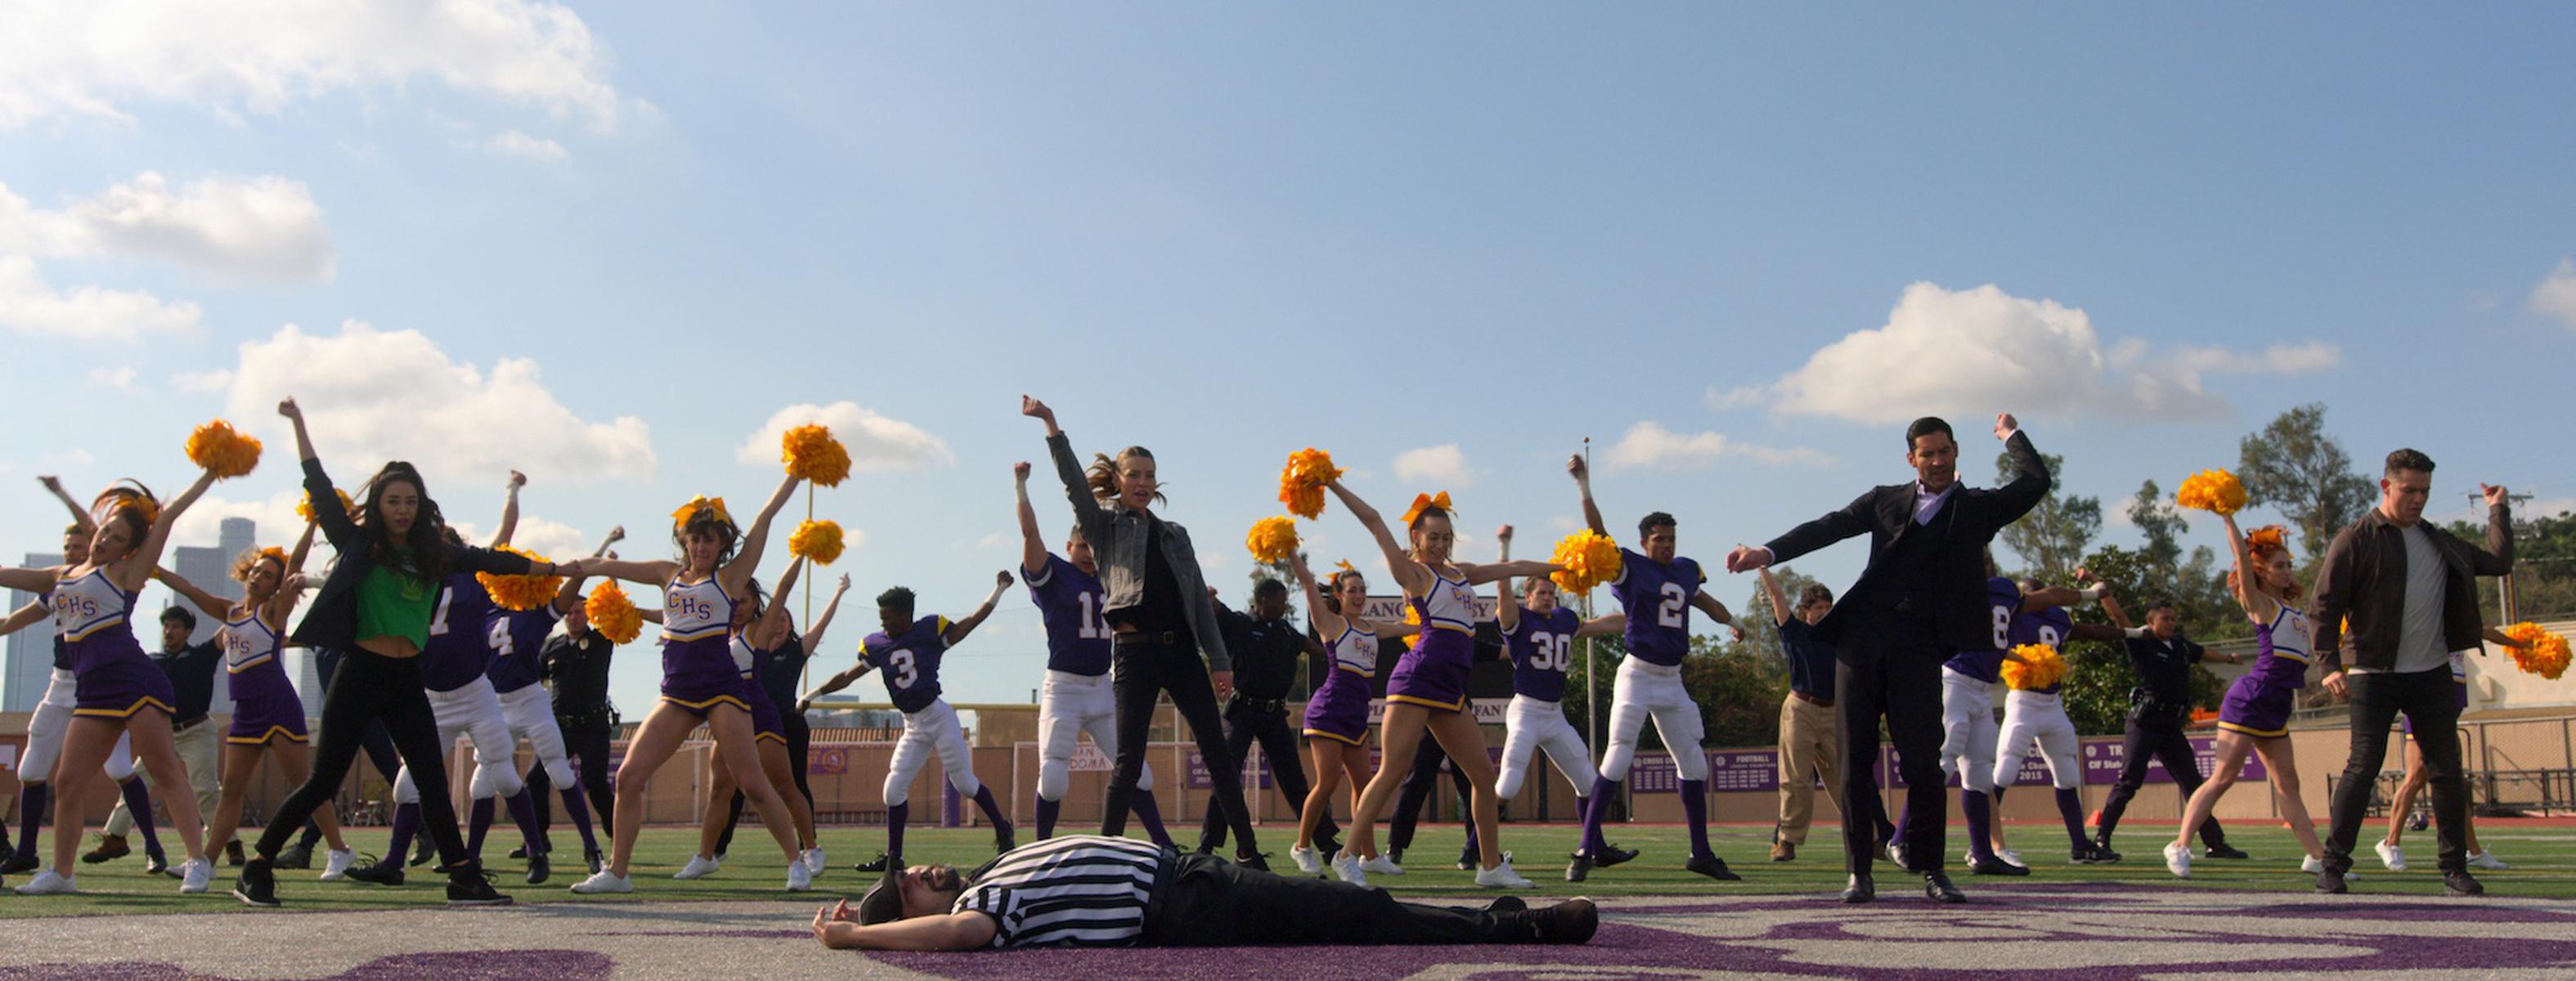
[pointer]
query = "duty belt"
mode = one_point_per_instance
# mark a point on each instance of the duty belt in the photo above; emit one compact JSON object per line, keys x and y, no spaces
{"x":1261,"y":704}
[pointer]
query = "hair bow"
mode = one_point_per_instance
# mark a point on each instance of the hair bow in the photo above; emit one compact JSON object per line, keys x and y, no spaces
{"x":2268,"y":538}
{"x":1423,"y":501}
{"x":680,"y":518}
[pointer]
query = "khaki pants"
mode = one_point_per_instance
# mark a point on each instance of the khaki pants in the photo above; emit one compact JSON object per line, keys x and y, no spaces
{"x":197,"y":748}
{"x":1806,"y":755}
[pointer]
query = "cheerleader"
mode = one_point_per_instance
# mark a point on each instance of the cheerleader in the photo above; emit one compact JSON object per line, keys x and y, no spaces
{"x":268,"y":718}
{"x":1337,"y":713}
{"x":376,"y":605}
{"x":1428,"y":689}
{"x":118,"y":691}
{"x":2255,"y":717}
{"x":700,"y":682}
{"x":517,"y":638}
{"x":1539,"y":636}
{"x":764,"y":628}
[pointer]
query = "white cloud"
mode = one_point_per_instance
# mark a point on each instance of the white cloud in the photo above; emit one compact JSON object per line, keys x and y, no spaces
{"x":101,"y":58}
{"x":372,"y":395}
{"x":274,"y":515}
{"x":876,"y":443}
{"x":1649,"y":444}
{"x":1978,"y":351}
{"x":29,"y":305}
{"x":120,"y":379}
{"x":2556,"y":295}
{"x":513,"y":143}
{"x":202,"y":382}
{"x":1443,"y":465}
{"x":255,"y":227}
{"x":552,"y":539}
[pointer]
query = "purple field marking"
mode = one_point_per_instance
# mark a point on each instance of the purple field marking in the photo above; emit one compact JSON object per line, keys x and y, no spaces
{"x":489,"y":965}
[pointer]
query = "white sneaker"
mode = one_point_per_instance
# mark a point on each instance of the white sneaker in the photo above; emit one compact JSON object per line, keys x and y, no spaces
{"x":603,"y":881}
{"x":1501,"y":876}
{"x":2389,"y":855}
{"x":1307,"y":860}
{"x":1380,"y":866}
{"x":698,"y":867}
{"x":2483,"y":859}
{"x":194,"y":874}
{"x":799,"y":878}
{"x":2010,"y":857}
{"x":1347,"y":867}
{"x":2313,"y":865}
{"x":48,"y":883}
{"x":335,"y":865}
{"x":814,"y":863}
{"x":2178,"y":860}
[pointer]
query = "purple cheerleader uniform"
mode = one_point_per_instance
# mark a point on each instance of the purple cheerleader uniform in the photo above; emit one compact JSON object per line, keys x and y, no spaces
{"x":698,"y":671}
{"x":264,"y":704}
{"x":1339,"y":710}
{"x":114,"y":677}
{"x":765,"y":720}
{"x":1433,"y":672}
{"x":2259,"y":703}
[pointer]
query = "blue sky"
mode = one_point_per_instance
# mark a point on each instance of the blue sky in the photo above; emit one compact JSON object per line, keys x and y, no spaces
{"x":612,"y":245}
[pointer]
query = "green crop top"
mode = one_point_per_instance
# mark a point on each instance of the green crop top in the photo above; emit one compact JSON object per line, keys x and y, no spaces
{"x":392,"y":603}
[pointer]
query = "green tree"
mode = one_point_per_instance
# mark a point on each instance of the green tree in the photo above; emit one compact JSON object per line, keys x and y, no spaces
{"x":2162,"y":523}
{"x":1738,"y":692}
{"x":2544,"y":566}
{"x":1761,"y":626}
{"x":1278,"y":572}
{"x":1586,"y":701}
{"x":2051,"y":539}
{"x":2294,"y":466}
{"x":2098,"y":678}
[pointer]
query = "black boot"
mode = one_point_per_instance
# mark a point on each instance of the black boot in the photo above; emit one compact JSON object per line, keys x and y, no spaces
{"x":1860,"y":889}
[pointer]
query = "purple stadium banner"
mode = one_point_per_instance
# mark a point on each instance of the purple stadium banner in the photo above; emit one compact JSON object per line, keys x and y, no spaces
{"x":2101,"y":758}
{"x":1729,"y":770}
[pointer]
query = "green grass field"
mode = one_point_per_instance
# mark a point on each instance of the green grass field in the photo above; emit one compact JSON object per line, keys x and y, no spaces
{"x":2543,"y":856}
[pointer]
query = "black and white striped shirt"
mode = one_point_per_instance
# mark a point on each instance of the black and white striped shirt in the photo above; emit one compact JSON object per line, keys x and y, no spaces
{"x":1073,"y":891}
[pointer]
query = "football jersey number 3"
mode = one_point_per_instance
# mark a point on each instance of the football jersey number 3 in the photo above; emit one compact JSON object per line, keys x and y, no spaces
{"x":899,"y":663}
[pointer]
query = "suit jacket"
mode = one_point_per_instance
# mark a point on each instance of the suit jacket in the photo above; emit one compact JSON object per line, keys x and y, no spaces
{"x":1962,"y":528}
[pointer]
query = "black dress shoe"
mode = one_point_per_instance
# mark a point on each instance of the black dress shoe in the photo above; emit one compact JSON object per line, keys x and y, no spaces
{"x":2223,"y":850}
{"x":1252,"y":860}
{"x":1861,"y":889}
{"x":1612,"y":855}
{"x":2331,"y":881}
{"x":539,"y":869}
{"x":1991,"y":865}
{"x":256,"y":885}
{"x":1578,"y":869}
{"x":1937,"y":888}
{"x":2461,"y":883}
{"x":422,"y":851}
{"x":1713,"y":867}
{"x":520,"y":852}
{"x":874,"y":865}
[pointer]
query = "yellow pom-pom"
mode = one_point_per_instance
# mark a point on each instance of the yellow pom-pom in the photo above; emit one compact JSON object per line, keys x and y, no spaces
{"x":2040,"y":666}
{"x":1589,"y":558}
{"x":811,"y":452}
{"x":818,"y":541}
{"x":612,"y":614}
{"x":1301,"y":483}
{"x":1272,"y":540}
{"x":2543,"y":653}
{"x":520,"y":593}
{"x":225,"y":451}
{"x":2215,"y":491}
{"x":304,"y":508}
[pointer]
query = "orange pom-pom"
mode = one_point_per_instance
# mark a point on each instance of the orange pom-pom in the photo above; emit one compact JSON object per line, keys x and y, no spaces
{"x":1272,"y":540}
{"x":818,"y":541}
{"x":612,"y":614}
{"x":223,"y":450}
{"x":1301,"y":483}
{"x":2215,"y":491}
{"x":520,"y":593}
{"x":304,"y":508}
{"x":2543,"y":653}
{"x":811,"y":453}
{"x":1589,"y":558}
{"x":2269,"y":538}
{"x":2040,"y":666}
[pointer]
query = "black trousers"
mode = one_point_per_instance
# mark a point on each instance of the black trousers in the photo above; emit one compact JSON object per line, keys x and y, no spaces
{"x":1889,"y":665}
{"x":1245,"y":723}
{"x":586,"y":741}
{"x":1213,"y":903}
{"x":2430,"y":701}
{"x":372,"y":739}
{"x":2149,"y":739}
{"x":1141,"y":670}
{"x":1418,"y":786}
{"x":371,"y":685}
{"x":800,"y":737}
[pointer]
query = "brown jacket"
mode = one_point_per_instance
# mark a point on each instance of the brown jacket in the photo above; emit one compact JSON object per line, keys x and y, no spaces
{"x":2364,"y":577}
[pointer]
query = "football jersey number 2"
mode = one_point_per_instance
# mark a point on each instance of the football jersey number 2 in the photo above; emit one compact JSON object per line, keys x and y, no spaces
{"x":1675,"y":607}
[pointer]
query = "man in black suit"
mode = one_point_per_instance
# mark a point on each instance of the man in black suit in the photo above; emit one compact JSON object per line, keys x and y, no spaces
{"x":1922,"y":596}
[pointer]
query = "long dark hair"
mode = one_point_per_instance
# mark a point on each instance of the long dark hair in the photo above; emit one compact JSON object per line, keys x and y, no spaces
{"x":130,"y":502}
{"x":428,"y":539}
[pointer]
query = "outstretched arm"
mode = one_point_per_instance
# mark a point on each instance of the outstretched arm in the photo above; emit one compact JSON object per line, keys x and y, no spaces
{"x":80,"y":515}
{"x":1033,"y":550}
{"x":1408,"y":573}
{"x":814,"y":632}
{"x":570,"y":595}
{"x":338,"y":527}
{"x":1717,"y":611}
{"x":213,"y":605}
{"x":775,"y":617}
{"x":1603,"y":626}
{"x":38,"y":580}
{"x":1780,"y":610}
{"x":958,"y":629}
{"x":1088,"y":515}
{"x":654,"y":573}
{"x":2031,"y":483}
{"x":832,"y":684}
{"x":1582,"y":472}
{"x":509,"y":511}
{"x":22,"y":618}
{"x":1834,"y":526}
{"x":2257,"y":604}
{"x":136,"y":567}
{"x":1327,"y":622}
{"x":746,"y":558}
{"x":1507,"y":607}
{"x":2110,"y":604}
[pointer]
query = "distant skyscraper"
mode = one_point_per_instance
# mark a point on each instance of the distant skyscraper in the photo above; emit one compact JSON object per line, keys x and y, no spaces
{"x":308,"y":679}
{"x":31,"y":651}
{"x":211,"y":570}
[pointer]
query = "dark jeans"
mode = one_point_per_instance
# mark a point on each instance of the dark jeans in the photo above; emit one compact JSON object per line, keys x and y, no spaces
{"x":1890,"y":665}
{"x":586,"y":741}
{"x":371,"y":686}
{"x":372,"y":739}
{"x":2150,"y":739}
{"x":800,"y":737}
{"x":1213,"y":903}
{"x":1141,"y":670}
{"x":2430,"y":701}
{"x":1418,"y":786}
{"x":1245,"y":723}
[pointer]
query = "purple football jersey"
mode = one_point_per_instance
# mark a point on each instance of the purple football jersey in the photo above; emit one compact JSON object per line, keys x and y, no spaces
{"x":1542,"y":647}
{"x":1658,"y":600}
{"x":515,"y":637}
{"x":458,"y":650}
{"x":2003,"y":603}
{"x":909,"y":663}
{"x":1069,"y":601}
{"x":2050,"y":626}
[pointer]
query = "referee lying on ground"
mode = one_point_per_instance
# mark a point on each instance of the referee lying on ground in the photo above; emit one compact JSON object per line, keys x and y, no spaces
{"x":1092,"y":891}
